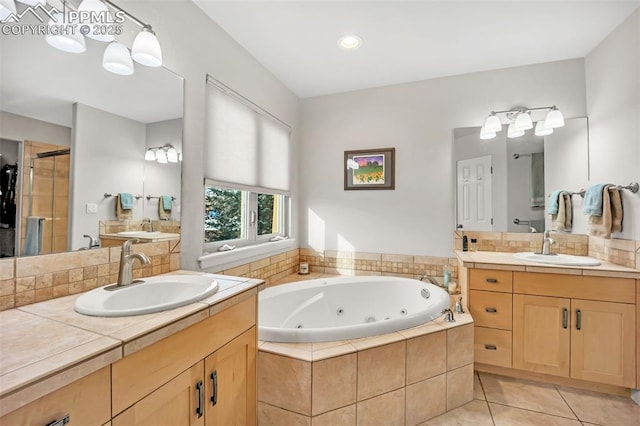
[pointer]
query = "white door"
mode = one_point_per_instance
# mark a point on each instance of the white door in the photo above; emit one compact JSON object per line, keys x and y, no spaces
{"x":474,"y":194}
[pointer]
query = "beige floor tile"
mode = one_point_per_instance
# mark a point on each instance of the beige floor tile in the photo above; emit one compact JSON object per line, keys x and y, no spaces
{"x":269,"y":415}
{"x":478,"y":393}
{"x":525,"y":394}
{"x":602,"y":409}
{"x":474,"y":413}
{"x":383,"y":410}
{"x":511,"y":416}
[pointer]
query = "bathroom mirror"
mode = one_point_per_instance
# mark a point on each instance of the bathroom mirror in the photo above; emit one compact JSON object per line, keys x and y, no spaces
{"x":85,"y":131}
{"x":503,"y":184}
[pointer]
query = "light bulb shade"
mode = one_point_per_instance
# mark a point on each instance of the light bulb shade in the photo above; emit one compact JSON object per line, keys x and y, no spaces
{"x":146,"y":49}
{"x":542,"y":130}
{"x":161,"y":156}
{"x":484,"y":135}
{"x":492,"y":124}
{"x":150,"y":155}
{"x":554,"y":118}
{"x":523,"y":122}
{"x":97,"y":10}
{"x":33,"y":2}
{"x":117,"y":59}
{"x":513,"y":133}
{"x":66,"y":39}
{"x":172,"y":155}
{"x":7,"y":7}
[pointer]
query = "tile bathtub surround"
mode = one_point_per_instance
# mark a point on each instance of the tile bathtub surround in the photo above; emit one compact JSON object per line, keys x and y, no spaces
{"x":363,"y":263}
{"x":365,"y":380}
{"x":270,"y":269}
{"x":26,"y":280}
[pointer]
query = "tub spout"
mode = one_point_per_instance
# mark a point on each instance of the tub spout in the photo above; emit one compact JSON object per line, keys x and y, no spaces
{"x":448,"y":315}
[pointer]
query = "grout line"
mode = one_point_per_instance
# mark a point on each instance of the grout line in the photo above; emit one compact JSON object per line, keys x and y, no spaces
{"x":535,"y":411}
{"x":568,"y":405}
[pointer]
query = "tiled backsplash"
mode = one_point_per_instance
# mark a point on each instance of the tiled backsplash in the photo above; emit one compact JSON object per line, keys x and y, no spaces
{"x":621,"y":252}
{"x":270,"y":269}
{"x":25,"y":280}
{"x":115,"y":226}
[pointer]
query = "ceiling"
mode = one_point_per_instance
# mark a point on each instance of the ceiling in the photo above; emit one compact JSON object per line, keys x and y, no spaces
{"x":409,"y":40}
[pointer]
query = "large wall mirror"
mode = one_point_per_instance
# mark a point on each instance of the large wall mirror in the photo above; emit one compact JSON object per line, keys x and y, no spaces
{"x":503,"y":184}
{"x":71,"y":133}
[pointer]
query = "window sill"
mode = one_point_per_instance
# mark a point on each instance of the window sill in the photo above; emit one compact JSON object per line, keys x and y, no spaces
{"x":219,"y":261}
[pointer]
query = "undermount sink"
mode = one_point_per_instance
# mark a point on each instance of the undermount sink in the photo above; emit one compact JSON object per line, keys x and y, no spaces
{"x":154,"y":294}
{"x":558,"y":259}
{"x":138,"y":233}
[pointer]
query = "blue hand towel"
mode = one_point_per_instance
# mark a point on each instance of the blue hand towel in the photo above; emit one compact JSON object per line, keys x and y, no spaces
{"x":33,"y":240}
{"x":166,"y":202}
{"x":126,"y":201}
{"x":553,"y":201}
{"x":593,"y":200}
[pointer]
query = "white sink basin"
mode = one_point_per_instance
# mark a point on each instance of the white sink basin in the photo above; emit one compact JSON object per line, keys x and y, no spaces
{"x":558,"y":259}
{"x":153,"y":294}
{"x":141,"y":234}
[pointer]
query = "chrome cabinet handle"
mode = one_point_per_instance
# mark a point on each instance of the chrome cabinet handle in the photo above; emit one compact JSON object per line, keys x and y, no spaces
{"x":200,"y":408}
{"x":214,"y":388}
{"x":63,"y":421}
{"x":491,"y":280}
{"x":491,"y":347}
{"x":578,"y":319}
{"x":491,"y":310}
{"x":565,"y":318}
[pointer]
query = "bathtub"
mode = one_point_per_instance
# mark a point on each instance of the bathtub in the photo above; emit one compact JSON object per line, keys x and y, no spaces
{"x":342,"y":308}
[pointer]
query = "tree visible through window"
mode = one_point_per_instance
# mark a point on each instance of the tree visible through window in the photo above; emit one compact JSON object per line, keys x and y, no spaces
{"x":223,"y":214}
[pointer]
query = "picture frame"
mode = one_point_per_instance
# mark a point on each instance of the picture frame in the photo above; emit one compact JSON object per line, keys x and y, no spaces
{"x":369,"y":169}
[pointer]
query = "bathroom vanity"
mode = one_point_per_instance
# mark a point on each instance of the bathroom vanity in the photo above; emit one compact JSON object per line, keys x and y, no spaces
{"x":563,"y":324}
{"x":194,"y":365}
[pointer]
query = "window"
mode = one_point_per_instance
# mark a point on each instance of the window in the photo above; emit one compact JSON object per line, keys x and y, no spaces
{"x":247,"y":166}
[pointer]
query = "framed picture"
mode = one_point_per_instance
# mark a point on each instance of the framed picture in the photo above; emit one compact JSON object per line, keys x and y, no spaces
{"x":369,"y":169}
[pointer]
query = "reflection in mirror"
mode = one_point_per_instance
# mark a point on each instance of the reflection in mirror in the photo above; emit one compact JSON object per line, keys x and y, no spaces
{"x":503,"y":184}
{"x":52,"y":101}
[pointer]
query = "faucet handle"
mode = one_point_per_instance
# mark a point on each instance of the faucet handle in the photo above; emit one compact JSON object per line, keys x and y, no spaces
{"x":126,"y":246}
{"x":448,"y":315}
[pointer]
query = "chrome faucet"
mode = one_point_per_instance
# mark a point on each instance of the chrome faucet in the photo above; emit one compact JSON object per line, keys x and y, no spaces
{"x":448,"y":315}
{"x":93,"y":242}
{"x":147,"y":221}
{"x":125,"y":273}
{"x":547,"y":242}
{"x":428,"y":278}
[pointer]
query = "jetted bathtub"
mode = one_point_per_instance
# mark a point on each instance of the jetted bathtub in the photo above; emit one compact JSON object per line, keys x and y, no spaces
{"x":328,"y":309}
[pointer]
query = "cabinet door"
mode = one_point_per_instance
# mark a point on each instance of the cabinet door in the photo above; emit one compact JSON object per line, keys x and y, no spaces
{"x":541,"y":334}
{"x":175,"y":403}
{"x":602,"y":342}
{"x":231,"y":377}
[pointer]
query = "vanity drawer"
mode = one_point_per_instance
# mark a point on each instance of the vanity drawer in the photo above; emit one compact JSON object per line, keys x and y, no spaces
{"x":491,"y":280}
{"x":86,"y":401}
{"x":492,"y":346}
{"x":491,"y":309}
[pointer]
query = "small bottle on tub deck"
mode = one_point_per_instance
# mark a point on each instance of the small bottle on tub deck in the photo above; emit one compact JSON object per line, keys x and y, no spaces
{"x":303,"y":268}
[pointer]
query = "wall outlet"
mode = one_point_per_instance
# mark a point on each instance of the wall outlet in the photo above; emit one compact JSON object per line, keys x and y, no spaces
{"x":92,"y":208}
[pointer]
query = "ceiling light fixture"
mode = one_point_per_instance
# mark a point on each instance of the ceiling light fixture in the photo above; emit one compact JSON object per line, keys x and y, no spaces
{"x":520,"y":120}
{"x":163,"y":154}
{"x":350,"y":42}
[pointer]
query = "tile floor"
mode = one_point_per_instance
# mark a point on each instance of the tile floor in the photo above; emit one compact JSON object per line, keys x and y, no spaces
{"x":503,"y":401}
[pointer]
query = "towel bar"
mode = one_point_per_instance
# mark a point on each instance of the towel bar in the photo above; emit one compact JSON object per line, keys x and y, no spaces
{"x":107,"y":195}
{"x":148,"y":197}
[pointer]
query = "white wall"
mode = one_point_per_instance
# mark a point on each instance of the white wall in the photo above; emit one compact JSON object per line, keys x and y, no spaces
{"x":106,"y":155}
{"x":194,"y":46}
{"x":613,"y":103}
{"x":20,"y":128}
{"x":162,"y":179}
{"x":417,"y":119}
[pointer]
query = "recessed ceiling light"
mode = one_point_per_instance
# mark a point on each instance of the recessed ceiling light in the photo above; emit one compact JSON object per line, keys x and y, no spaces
{"x":350,"y":42}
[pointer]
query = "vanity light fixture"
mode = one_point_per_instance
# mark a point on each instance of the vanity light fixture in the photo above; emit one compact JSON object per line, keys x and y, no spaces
{"x":350,"y":42}
{"x":146,"y":48}
{"x":7,"y":7}
{"x":97,"y":8}
{"x":33,"y":2}
{"x":117,"y":59}
{"x":163,"y":154}
{"x":520,"y":120}
{"x":67,"y":41}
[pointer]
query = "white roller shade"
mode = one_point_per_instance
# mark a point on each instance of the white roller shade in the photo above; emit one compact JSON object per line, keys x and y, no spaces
{"x":245,"y":145}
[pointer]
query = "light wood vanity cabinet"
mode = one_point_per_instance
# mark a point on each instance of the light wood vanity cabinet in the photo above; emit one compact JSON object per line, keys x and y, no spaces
{"x":580,"y":327}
